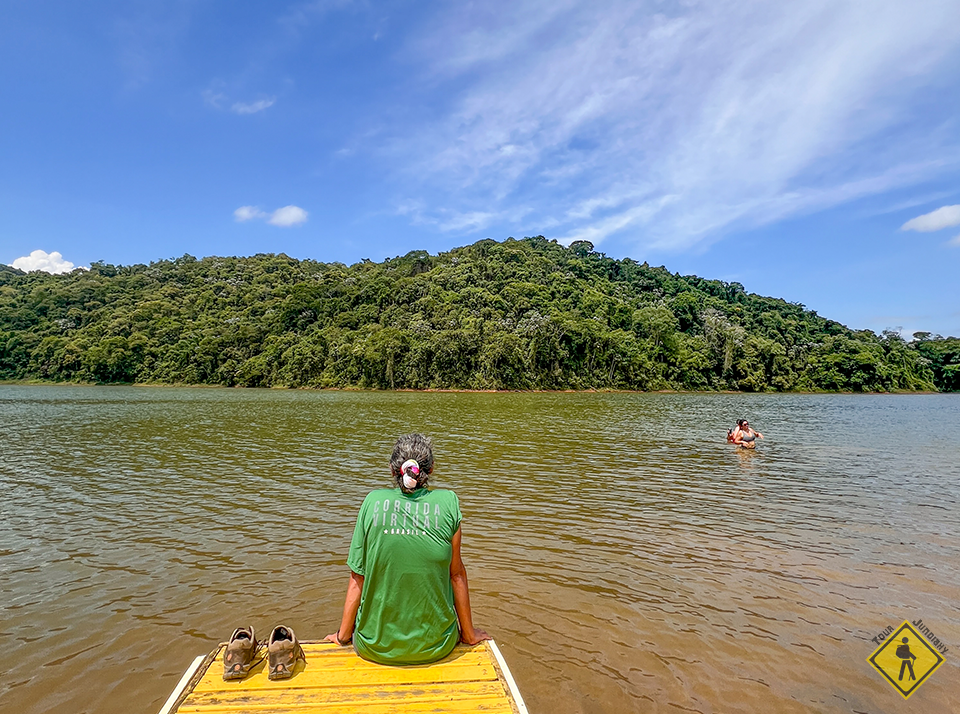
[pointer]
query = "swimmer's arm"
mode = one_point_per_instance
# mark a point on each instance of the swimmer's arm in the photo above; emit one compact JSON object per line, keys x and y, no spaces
{"x":469,"y":634}
{"x":345,"y":633}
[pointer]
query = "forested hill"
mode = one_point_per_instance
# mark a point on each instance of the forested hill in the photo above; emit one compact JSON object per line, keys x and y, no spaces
{"x":521,"y":314}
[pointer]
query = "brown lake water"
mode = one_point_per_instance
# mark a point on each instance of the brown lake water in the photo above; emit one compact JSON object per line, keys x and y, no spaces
{"x":623,"y":555}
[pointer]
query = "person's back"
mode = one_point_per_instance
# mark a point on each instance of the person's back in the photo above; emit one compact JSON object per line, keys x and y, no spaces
{"x":407,"y":601}
{"x":402,"y":545}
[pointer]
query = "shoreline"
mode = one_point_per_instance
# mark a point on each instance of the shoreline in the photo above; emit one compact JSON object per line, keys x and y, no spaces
{"x":434,"y":390}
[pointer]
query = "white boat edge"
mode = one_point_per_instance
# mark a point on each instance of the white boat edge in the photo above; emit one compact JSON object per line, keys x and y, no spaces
{"x":521,"y":707}
{"x":182,"y":684}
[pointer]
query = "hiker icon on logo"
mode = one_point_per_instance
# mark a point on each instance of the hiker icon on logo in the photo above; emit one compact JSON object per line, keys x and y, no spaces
{"x":905,"y":662}
{"x":903,"y":652}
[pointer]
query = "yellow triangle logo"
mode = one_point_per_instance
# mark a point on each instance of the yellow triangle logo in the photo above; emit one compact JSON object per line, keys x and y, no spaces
{"x":905,"y":659}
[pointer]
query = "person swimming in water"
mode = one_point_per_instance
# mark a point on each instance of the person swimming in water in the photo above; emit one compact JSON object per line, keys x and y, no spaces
{"x":730,"y":432}
{"x":744,"y":435}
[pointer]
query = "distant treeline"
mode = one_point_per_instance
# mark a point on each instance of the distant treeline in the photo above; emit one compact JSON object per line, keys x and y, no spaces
{"x":521,"y":314}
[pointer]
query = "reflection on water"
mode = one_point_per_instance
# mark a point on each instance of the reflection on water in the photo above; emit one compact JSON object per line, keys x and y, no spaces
{"x":625,"y":557}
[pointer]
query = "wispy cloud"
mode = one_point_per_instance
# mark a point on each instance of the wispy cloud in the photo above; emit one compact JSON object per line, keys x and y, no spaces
{"x":945,"y":217}
{"x":43,"y":261}
{"x":720,"y":114}
{"x":252,"y":107}
{"x":454,"y":221}
{"x":955,"y":241}
{"x":283,"y":217}
{"x":922,"y":199}
{"x":302,"y":14}
{"x":217,"y":97}
{"x":147,"y":36}
{"x":214,"y":98}
{"x":248,"y":213}
{"x":597,"y":231}
{"x":474,"y":220}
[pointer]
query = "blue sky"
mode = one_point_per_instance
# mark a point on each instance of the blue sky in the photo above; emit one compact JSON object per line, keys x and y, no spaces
{"x":786,"y":146}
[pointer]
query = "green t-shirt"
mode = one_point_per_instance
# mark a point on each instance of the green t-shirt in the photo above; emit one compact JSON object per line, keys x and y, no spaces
{"x":402,"y":546}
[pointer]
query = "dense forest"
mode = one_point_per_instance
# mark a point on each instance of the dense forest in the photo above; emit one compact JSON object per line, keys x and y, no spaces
{"x":518,"y":314}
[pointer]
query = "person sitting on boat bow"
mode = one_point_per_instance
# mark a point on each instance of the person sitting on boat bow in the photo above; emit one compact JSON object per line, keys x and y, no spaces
{"x":407,"y":601}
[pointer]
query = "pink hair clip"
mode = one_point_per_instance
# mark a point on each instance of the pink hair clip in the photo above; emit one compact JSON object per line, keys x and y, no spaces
{"x":412,"y":466}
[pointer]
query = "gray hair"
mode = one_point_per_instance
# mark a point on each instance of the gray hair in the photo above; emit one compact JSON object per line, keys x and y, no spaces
{"x":412,"y":446}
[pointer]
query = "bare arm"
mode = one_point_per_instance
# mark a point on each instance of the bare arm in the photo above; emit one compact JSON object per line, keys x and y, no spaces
{"x":469,"y":634}
{"x":345,"y":633}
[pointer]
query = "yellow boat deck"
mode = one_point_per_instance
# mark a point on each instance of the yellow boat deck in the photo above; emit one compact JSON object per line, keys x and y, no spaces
{"x":335,"y":680}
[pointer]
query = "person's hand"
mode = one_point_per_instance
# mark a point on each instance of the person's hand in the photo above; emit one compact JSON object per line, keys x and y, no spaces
{"x":336,"y":640}
{"x":478,"y":637}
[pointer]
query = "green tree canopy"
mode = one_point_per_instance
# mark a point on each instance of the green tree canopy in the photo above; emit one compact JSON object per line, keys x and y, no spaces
{"x":517,"y":314}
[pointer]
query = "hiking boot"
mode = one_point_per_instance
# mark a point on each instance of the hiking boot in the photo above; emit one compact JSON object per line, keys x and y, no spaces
{"x":240,"y":654}
{"x":283,"y":652}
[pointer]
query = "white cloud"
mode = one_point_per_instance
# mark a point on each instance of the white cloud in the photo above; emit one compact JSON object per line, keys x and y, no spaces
{"x":41,"y":260}
{"x":252,"y":107}
{"x":954,"y":241}
{"x":725,"y":113}
{"x":288,"y":216}
{"x":945,"y":217}
{"x":248,"y":213}
{"x":283,"y":217}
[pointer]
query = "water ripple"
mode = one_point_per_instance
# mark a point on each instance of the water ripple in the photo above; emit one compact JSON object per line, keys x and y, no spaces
{"x":624,"y":556}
